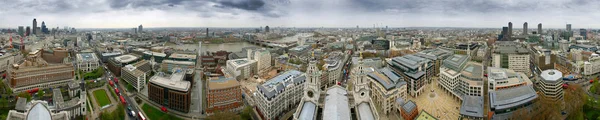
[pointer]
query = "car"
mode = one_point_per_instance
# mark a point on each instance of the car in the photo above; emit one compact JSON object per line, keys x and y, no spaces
{"x":128,"y":107}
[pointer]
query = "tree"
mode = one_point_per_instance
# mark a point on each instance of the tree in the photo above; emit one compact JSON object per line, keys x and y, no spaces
{"x":543,"y":108}
{"x":40,"y":93}
{"x":246,"y":113}
{"x":25,"y":95}
{"x":574,"y":99}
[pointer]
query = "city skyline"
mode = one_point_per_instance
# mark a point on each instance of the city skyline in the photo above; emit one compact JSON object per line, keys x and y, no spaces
{"x":299,"y":13}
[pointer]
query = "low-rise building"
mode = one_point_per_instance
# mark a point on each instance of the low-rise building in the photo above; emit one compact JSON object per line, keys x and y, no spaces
{"x":241,"y":69}
{"x":511,"y":55}
{"x":171,"y":91}
{"x":409,"y":110}
{"x":262,"y":58}
{"x":116,"y":63}
{"x":136,"y":73}
{"x":415,"y":70}
{"x":437,"y":56}
{"x":35,"y":72}
{"x":499,"y":78}
{"x":450,"y":73}
{"x":279,"y":95}
{"x":551,"y":84}
{"x":87,"y":62}
{"x":504,"y":102}
{"x":387,"y":86}
{"x":169,"y":65}
{"x":224,"y":94}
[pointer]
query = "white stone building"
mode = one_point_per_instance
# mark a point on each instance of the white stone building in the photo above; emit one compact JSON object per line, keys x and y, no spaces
{"x":87,"y":62}
{"x":241,"y":69}
{"x":262,"y":58}
{"x":279,"y":95}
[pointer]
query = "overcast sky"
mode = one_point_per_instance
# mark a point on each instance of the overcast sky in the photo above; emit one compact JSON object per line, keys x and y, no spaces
{"x":300,"y":13}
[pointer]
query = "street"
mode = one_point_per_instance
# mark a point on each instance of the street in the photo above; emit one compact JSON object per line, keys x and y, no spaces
{"x":130,"y":102}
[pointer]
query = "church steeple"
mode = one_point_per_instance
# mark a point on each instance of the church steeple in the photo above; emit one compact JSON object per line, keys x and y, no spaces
{"x":313,"y":85}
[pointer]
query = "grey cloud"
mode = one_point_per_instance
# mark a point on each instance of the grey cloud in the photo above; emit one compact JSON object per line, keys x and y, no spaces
{"x":242,"y":4}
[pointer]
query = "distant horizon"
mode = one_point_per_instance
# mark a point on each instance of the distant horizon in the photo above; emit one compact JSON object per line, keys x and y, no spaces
{"x":272,"y":27}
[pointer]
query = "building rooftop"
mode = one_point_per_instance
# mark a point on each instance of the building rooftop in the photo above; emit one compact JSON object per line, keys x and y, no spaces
{"x":511,"y":97}
{"x":277,"y":84}
{"x":387,"y":78}
{"x":473,"y":71}
{"x":472,"y":106}
{"x":409,"y":106}
{"x":182,"y":56}
{"x":510,"y":47}
{"x":222,"y":82}
{"x":39,"y":111}
{"x":240,"y":62}
{"x":551,"y":75}
{"x":409,"y":65}
{"x":364,"y":111}
{"x":179,"y":62}
{"x":126,"y":58}
{"x":501,"y":74}
{"x":456,"y":62}
{"x":336,"y":104}
{"x":155,"y":54}
{"x":174,"y":81}
{"x":87,"y":57}
{"x":308,"y":111}
{"x":21,"y":104}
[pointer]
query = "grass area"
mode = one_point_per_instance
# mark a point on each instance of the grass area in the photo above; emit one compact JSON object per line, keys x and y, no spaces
{"x":155,"y":114}
{"x":101,"y":97}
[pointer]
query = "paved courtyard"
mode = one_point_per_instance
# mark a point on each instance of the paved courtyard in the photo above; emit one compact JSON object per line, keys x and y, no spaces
{"x":438,"y":103}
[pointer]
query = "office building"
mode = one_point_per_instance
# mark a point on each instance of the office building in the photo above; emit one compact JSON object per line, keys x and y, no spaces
{"x":450,"y":73}
{"x":583,"y":32}
{"x":279,"y":95}
{"x":500,"y":78}
{"x":262,"y":58}
{"x":525,"y":31}
{"x":55,"y":55}
{"x":157,"y":57}
{"x":44,"y":28}
{"x":21,"y":31}
{"x":116,"y":63}
{"x":511,"y":55}
{"x":36,"y":110}
{"x":472,"y":108}
{"x":569,"y":28}
{"x":224,"y":94}
{"x":169,"y":65}
{"x":510,"y":28}
{"x":437,"y":56}
{"x":416,"y":71}
{"x":241,"y":69}
{"x":27,"y":31}
{"x":504,"y":102}
{"x":539,"y":31}
{"x":136,"y":73}
{"x":267,"y":29}
{"x":7,"y":60}
{"x":172,"y":91}
{"x":87,"y":62}
{"x":551,"y":84}
{"x":35,"y":72}
{"x":140,"y":29}
{"x":387,"y":86}
{"x":34,"y":26}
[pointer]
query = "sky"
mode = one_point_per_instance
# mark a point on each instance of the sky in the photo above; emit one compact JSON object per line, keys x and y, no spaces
{"x":300,"y":13}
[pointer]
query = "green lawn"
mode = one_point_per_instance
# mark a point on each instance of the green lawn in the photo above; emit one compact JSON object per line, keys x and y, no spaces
{"x":101,"y":97}
{"x":156,"y":114}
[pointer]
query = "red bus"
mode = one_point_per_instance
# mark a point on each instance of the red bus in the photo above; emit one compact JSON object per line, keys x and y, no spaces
{"x":116,"y":90}
{"x":141,"y":116}
{"x":116,"y":80}
{"x":122,"y":100}
{"x":34,"y":90}
{"x":111,"y":83}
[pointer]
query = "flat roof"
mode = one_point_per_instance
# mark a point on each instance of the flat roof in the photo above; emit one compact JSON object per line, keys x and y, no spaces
{"x":551,"y":75}
{"x":336,"y":104}
{"x":472,"y":106}
{"x":387,"y":78}
{"x":155,"y":54}
{"x":425,"y":116}
{"x":364,"y":111}
{"x":511,"y":97}
{"x":182,"y":56}
{"x":308,"y":111}
{"x":175,"y":81}
{"x":409,"y":106}
{"x":126,"y":58}
{"x":179,"y":62}
{"x":87,"y":57}
{"x":240,"y":62}
{"x":277,"y":84}
{"x":222,"y":82}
